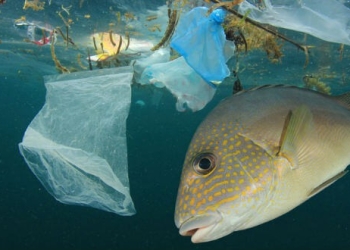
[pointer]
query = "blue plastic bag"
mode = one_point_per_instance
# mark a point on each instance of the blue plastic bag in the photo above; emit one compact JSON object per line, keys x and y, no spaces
{"x":200,"y":39}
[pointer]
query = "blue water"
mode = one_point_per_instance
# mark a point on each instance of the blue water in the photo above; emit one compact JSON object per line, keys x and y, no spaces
{"x":158,"y":137}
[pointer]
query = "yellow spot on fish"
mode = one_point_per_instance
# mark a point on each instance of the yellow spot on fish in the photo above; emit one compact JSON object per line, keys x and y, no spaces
{"x":238,"y":143}
{"x":230,"y":147}
{"x":232,"y":181}
{"x":237,"y":152}
{"x":185,"y":206}
{"x":241,"y":172}
{"x":190,"y":181}
{"x":241,"y":181}
{"x":192,"y":201}
{"x":210,"y":198}
{"x":243,"y":159}
{"x":213,"y":179}
{"x":199,"y":195}
{"x":224,"y":143}
{"x":193,"y":212}
{"x":218,"y":194}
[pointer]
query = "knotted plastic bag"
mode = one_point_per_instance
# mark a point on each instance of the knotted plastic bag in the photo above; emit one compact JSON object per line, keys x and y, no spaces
{"x":328,"y":20}
{"x":76,"y":144}
{"x":200,"y":39}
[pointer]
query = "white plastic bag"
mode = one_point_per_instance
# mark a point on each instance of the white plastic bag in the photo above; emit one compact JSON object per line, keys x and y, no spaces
{"x":76,"y":145}
{"x":328,"y":20}
{"x":182,"y":81}
{"x":159,"y":56}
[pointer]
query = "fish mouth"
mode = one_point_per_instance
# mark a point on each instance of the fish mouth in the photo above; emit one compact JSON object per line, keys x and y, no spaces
{"x":200,"y":226}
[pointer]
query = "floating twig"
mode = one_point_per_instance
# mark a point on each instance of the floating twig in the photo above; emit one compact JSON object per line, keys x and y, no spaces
{"x":58,"y":65}
{"x":66,"y":9}
{"x":170,"y":29}
{"x":67,"y":39}
{"x":128,"y":40}
{"x":94,"y":40}
{"x":111,"y":38}
{"x":120,"y":44}
{"x":89,"y":59}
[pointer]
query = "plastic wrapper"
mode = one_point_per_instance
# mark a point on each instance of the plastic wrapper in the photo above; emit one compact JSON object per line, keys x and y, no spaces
{"x":36,"y":33}
{"x":76,"y":145}
{"x":188,"y":87}
{"x":328,"y":20}
{"x":200,"y":39}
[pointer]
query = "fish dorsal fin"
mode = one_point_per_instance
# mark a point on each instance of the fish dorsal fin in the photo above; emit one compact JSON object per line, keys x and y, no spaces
{"x":298,"y":124}
{"x":327,"y":183}
{"x":344,"y":99}
{"x":267,"y":86}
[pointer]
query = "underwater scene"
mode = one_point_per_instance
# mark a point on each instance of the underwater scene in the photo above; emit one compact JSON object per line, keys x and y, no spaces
{"x":179,"y":124}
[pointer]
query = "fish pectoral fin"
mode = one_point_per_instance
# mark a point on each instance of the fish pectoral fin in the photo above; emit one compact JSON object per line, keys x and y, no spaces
{"x":327,"y":183}
{"x":297,"y":127}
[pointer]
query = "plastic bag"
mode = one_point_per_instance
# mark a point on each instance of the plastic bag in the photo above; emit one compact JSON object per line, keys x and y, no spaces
{"x":76,"y":145}
{"x":159,"y":56}
{"x":182,"y":81}
{"x":328,"y":20}
{"x":200,"y":39}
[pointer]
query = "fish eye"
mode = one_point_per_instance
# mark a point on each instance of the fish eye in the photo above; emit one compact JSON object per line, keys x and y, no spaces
{"x":204,"y":163}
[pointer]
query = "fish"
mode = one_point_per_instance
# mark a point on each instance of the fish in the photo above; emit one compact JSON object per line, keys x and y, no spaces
{"x":259,"y":154}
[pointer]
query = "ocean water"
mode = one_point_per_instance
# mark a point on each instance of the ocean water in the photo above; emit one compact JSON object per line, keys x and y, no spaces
{"x":157,"y":137}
